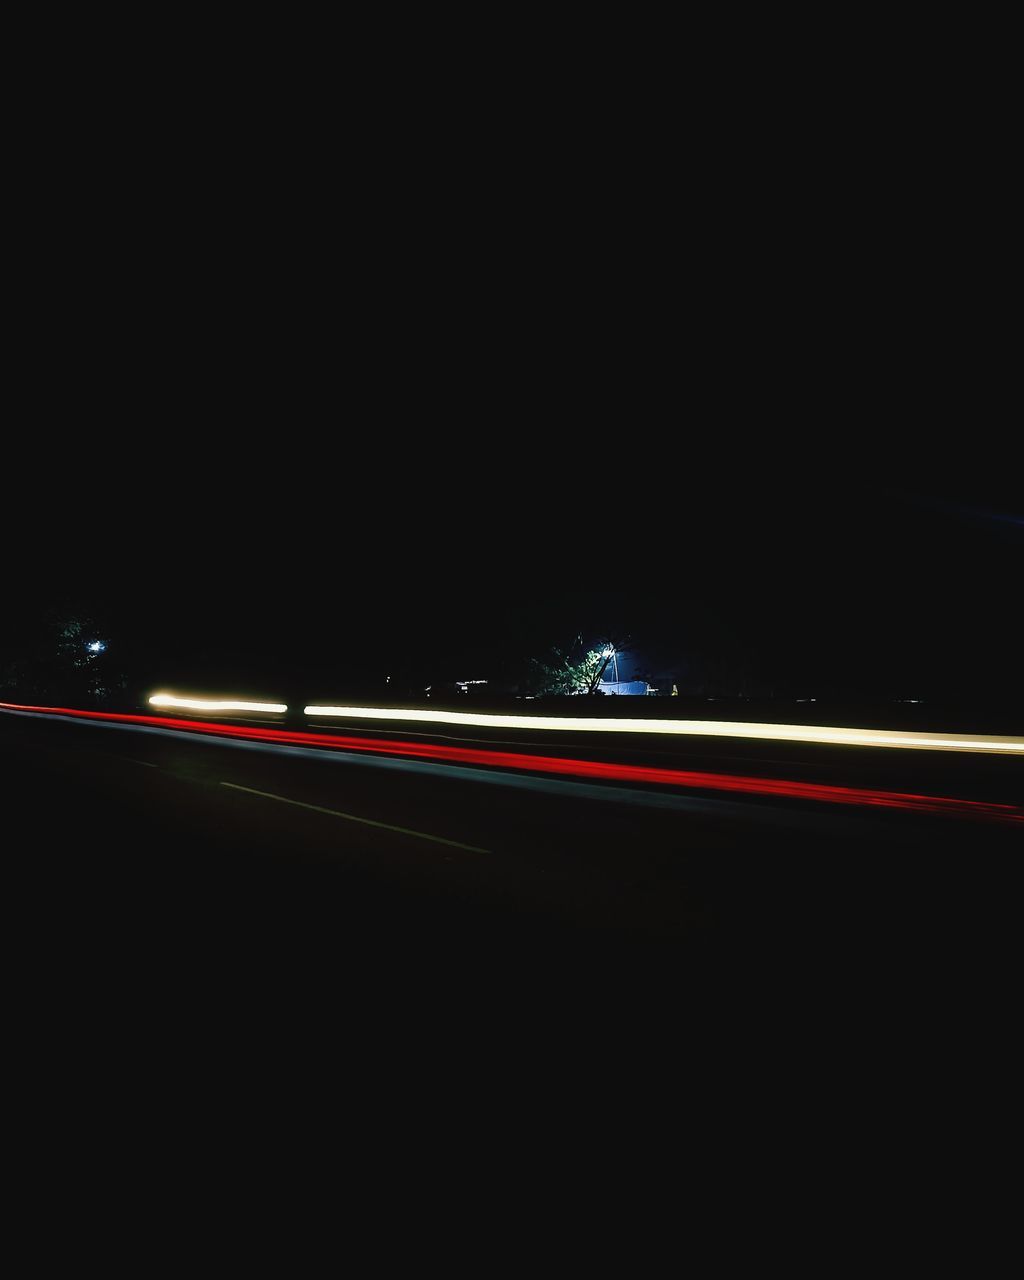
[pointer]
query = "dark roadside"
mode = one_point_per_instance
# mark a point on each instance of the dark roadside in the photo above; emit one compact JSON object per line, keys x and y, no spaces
{"x":146,"y":884}
{"x":195,"y":969}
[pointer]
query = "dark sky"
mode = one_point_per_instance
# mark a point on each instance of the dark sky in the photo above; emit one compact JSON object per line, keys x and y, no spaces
{"x":790,"y":578}
{"x":278,"y":414}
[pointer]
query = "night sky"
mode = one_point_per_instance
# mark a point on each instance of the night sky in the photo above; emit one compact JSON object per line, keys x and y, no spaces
{"x":276,"y":434}
{"x":785,"y":582}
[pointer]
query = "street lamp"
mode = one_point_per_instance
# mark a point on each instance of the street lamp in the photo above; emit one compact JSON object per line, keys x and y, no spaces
{"x":611,"y":653}
{"x":95,"y":646}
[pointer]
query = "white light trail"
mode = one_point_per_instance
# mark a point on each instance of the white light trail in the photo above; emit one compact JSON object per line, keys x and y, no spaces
{"x":695,"y":728}
{"x":209,"y":704}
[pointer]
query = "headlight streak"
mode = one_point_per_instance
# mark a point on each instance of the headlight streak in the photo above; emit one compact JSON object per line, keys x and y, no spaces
{"x":687,"y":778}
{"x":211,"y":704}
{"x":823,"y":735}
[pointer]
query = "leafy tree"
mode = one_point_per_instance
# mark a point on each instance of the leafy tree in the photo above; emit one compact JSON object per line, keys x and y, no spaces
{"x":72,"y":640}
{"x":66,"y":659}
{"x":562,"y":673}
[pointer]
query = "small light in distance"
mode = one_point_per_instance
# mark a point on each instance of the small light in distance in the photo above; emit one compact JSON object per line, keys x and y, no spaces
{"x":213,"y":704}
{"x":95,"y":646}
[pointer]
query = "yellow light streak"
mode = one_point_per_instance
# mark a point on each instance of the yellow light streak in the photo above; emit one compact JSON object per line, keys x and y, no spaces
{"x":211,"y":704}
{"x":693,"y":728}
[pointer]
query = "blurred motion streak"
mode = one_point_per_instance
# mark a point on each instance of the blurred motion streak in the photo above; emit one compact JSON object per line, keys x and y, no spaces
{"x":699,"y":728}
{"x":691,"y":779}
{"x":209,"y":704}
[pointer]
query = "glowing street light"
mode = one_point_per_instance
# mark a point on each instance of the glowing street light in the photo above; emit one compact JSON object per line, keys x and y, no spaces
{"x":95,"y":646}
{"x":611,"y":652}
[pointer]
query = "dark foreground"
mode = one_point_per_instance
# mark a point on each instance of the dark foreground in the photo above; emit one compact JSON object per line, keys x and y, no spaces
{"x":152,"y":882}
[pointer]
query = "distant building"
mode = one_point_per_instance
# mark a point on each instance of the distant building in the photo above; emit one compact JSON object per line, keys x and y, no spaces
{"x":628,"y":688}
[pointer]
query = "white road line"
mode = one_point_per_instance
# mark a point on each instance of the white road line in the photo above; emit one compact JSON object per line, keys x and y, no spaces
{"x":351,"y":817}
{"x":114,"y":755}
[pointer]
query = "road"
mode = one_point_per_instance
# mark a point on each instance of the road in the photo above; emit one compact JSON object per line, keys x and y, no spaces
{"x":167,"y":865}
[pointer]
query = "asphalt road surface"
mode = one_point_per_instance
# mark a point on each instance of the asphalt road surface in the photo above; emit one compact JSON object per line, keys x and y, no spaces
{"x":415,"y":965}
{"x":164,"y":866}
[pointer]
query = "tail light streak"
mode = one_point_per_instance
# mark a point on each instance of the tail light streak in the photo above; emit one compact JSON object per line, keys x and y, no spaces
{"x":630,"y":773}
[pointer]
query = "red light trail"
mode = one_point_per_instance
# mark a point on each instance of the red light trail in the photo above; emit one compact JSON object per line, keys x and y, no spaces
{"x":630,"y":773}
